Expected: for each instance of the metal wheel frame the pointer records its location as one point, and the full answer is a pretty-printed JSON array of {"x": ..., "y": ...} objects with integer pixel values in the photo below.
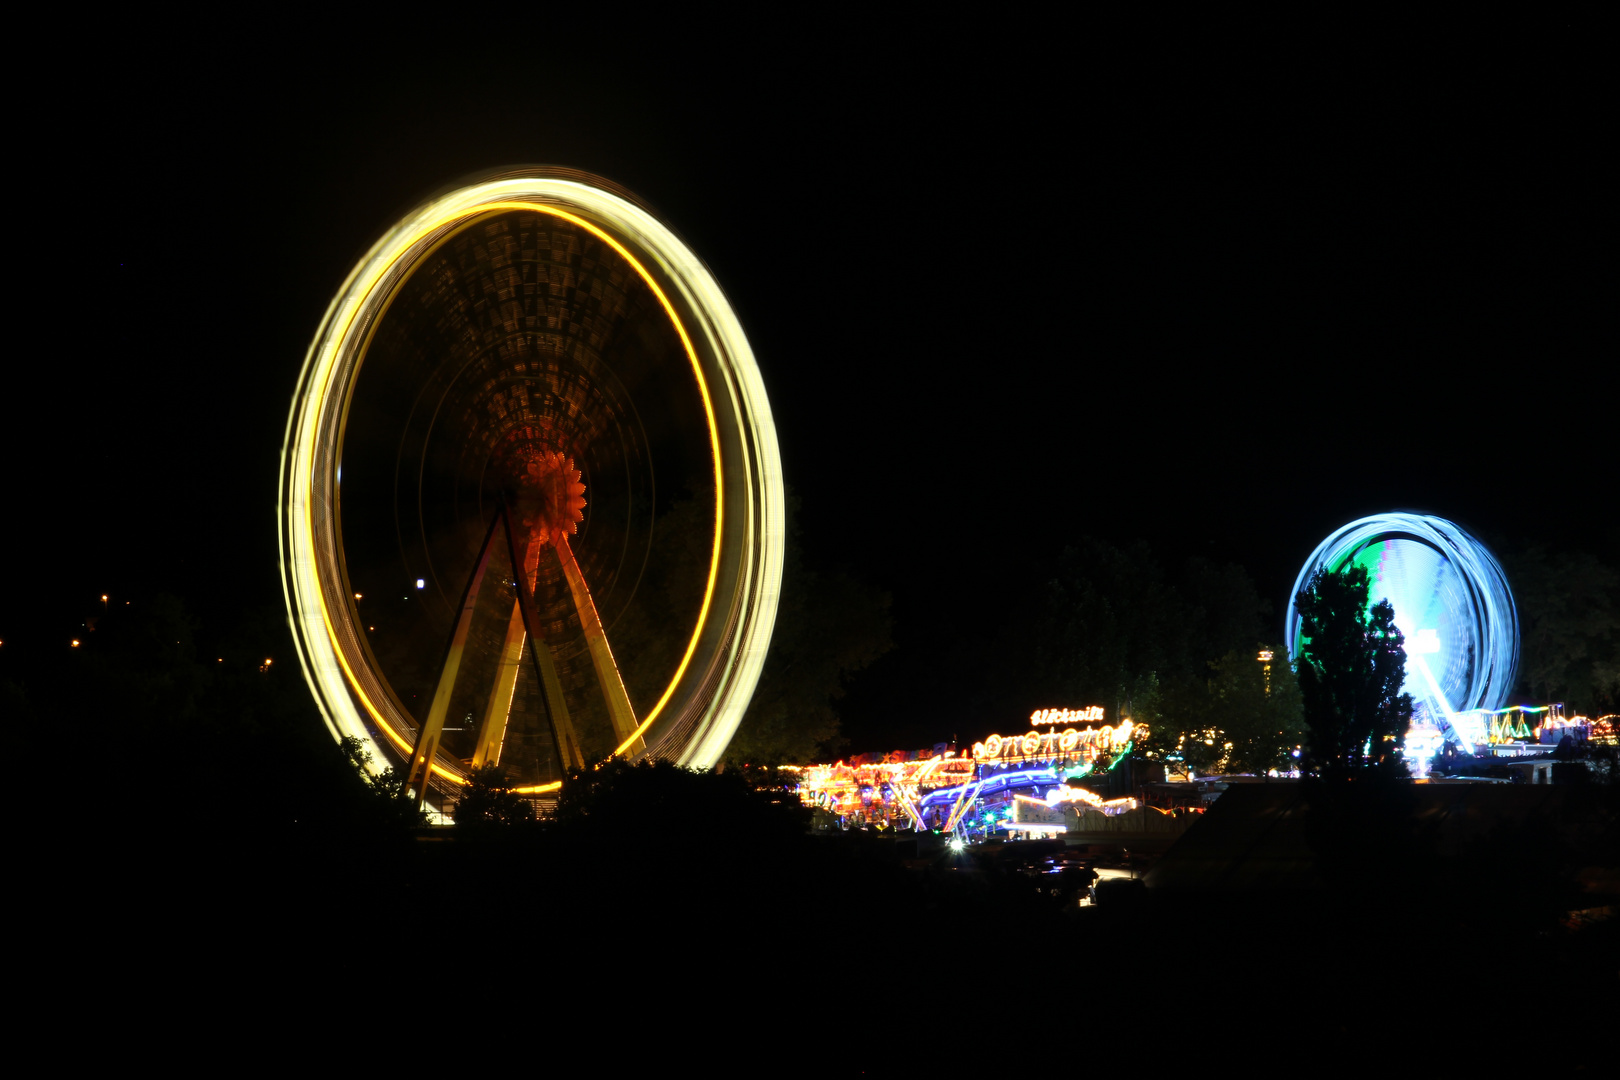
[{"x": 699, "y": 712}]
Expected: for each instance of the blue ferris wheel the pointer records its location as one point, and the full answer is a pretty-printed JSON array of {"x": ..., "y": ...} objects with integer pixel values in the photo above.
[{"x": 1452, "y": 603}]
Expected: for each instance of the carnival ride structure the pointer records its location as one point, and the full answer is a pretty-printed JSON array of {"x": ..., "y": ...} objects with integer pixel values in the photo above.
[
  {"x": 972, "y": 795},
  {"x": 887, "y": 792},
  {"x": 1452, "y": 605},
  {"x": 531, "y": 506}
]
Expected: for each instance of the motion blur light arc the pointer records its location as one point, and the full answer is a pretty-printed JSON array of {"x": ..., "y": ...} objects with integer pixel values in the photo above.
[
  {"x": 697, "y": 713},
  {"x": 1452, "y": 604}
]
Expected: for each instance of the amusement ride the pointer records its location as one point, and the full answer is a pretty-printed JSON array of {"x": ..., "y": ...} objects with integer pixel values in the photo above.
[
  {"x": 1452, "y": 605},
  {"x": 531, "y": 503}
]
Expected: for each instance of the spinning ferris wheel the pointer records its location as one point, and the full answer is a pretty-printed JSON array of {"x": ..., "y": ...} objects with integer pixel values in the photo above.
[
  {"x": 531, "y": 503},
  {"x": 1452, "y": 604}
]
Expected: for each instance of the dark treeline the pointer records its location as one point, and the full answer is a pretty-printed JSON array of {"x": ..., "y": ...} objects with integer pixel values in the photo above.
[
  {"x": 1569, "y": 617},
  {"x": 1119, "y": 625},
  {"x": 210, "y": 830},
  {"x": 1098, "y": 624}
]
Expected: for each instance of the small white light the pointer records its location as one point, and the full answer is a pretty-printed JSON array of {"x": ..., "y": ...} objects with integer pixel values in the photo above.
[{"x": 420, "y": 584}]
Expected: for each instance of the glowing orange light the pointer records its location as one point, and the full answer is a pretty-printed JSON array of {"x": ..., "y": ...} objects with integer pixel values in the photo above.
[{"x": 75, "y": 643}]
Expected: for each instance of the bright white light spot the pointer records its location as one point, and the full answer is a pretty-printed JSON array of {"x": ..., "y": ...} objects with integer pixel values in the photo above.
[
  {"x": 420, "y": 584},
  {"x": 1424, "y": 641}
]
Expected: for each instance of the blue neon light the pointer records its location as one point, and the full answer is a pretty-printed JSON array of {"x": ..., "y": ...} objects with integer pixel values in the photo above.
[
  {"x": 992, "y": 786},
  {"x": 1452, "y": 604}
]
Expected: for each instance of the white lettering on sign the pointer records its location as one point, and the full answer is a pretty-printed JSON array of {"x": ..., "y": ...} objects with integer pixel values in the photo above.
[
  {"x": 1067, "y": 716},
  {"x": 1051, "y": 744}
]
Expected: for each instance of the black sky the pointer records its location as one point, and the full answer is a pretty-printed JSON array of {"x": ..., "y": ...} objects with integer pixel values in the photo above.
[{"x": 1224, "y": 287}]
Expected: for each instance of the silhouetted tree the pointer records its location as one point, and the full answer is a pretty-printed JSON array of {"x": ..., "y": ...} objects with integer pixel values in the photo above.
[
  {"x": 1239, "y": 720},
  {"x": 1112, "y": 628},
  {"x": 619, "y": 798},
  {"x": 828, "y": 627},
  {"x": 1224, "y": 609},
  {"x": 488, "y": 800},
  {"x": 1350, "y": 674},
  {"x": 391, "y": 802},
  {"x": 1569, "y": 616},
  {"x": 1114, "y": 631}
]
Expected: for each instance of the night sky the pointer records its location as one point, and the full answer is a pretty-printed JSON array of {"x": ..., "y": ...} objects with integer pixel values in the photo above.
[{"x": 1220, "y": 287}]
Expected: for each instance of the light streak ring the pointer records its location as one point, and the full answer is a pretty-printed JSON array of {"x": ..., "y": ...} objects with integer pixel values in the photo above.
[
  {"x": 695, "y": 717},
  {"x": 1437, "y": 577}
]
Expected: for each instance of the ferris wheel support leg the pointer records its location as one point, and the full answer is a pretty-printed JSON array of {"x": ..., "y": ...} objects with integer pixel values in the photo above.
[
  {"x": 427, "y": 736},
  {"x": 562, "y": 728},
  {"x": 492, "y": 732},
  {"x": 563, "y": 736},
  {"x": 607, "y": 670}
]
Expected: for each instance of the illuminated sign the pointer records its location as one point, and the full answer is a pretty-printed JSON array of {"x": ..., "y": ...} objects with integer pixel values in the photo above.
[
  {"x": 1089, "y": 743},
  {"x": 1067, "y": 716}
]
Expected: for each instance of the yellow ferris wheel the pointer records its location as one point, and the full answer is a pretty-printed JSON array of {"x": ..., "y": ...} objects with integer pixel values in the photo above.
[{"x": 531, "y": 505}]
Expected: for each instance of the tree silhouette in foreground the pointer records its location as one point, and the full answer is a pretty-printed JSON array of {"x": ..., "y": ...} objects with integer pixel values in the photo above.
[
  {"x": 1350, "y": 671},
  {"x": 489, "y": 800},
  {"x": 391, "y": 803}
]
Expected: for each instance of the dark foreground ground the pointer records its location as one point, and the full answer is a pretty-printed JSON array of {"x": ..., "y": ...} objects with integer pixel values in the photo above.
[
  {"x": 211, "y": 880},
  {"x": 690, "y": 908}
]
